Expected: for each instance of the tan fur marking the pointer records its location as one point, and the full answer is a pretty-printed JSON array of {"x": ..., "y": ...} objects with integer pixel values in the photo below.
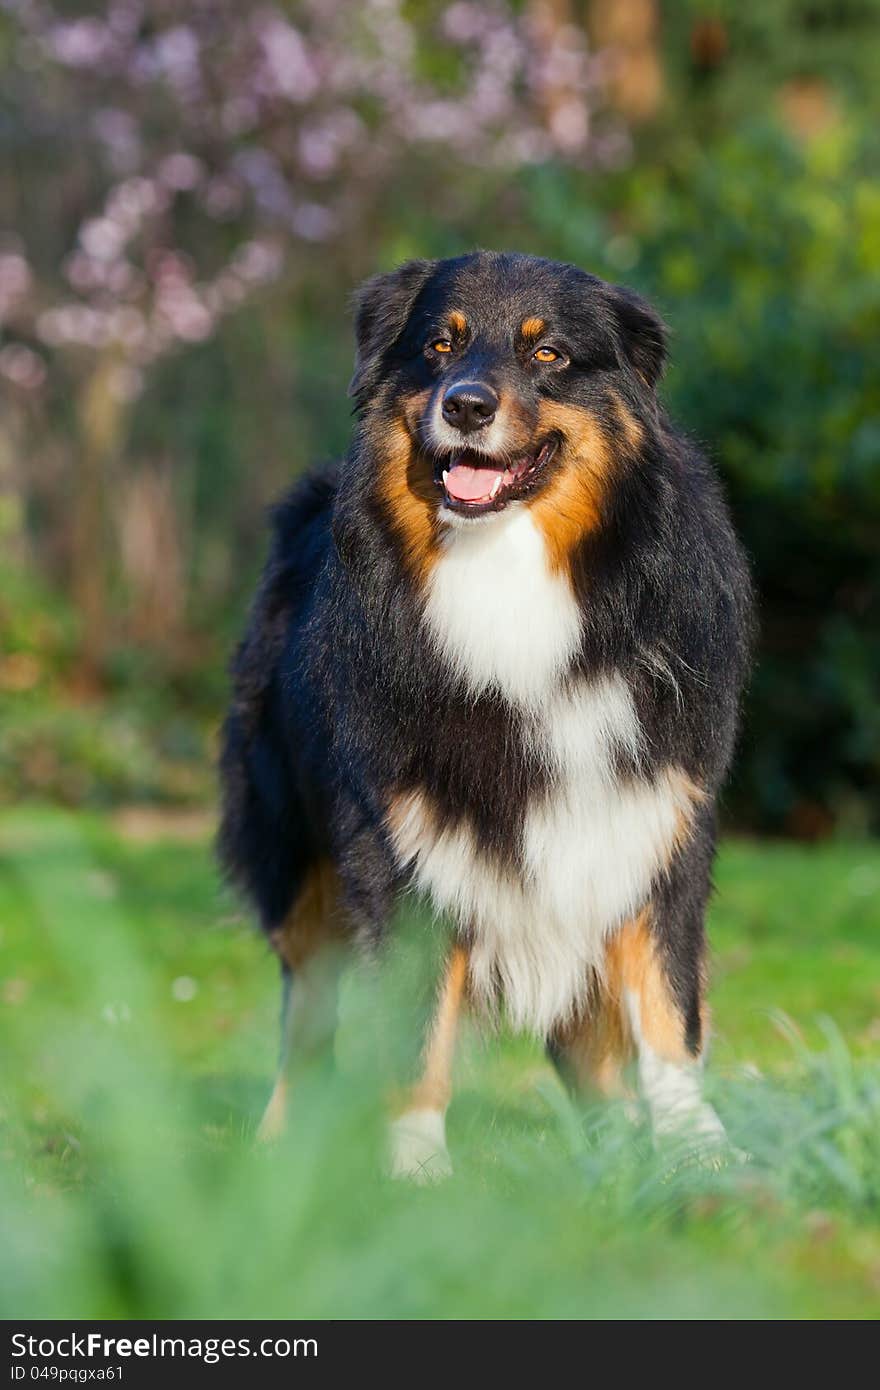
[
  {"x": 631, "y": 959},
  {"x": 570, "y": 506},
  {"x": 433, "y": 1090},
  {"x": 408, "y": 491},
  {"x": 402, "y": 808},
  {"x": 531, "y": 329},
  {"x": 311, "y": 922},
  {"x": 689, "y": 796},
  {"x": 599, "y": 1044},
  {"x": 633, "y": 433},
  {"x": 457, "y": 321},
  {"x": 632, "y": 964}
]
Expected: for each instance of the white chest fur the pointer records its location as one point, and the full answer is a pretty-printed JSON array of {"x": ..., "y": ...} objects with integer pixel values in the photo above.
[
  {"x": 499, "y": 615},
  {"x": 593, "y": 843}
]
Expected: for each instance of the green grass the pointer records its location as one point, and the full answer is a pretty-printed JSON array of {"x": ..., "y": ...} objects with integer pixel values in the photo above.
[{"x": 138, "y": 1018}]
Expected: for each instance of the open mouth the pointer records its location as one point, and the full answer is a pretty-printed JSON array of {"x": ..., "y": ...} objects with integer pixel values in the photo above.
[{"x": 473, "y": 483}]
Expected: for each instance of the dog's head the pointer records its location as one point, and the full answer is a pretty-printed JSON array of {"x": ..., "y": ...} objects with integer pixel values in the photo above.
[{"x": 493, "y": 380}]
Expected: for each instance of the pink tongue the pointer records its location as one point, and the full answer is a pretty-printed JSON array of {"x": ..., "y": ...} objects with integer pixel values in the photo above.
[{"x": 468, "y": 484}]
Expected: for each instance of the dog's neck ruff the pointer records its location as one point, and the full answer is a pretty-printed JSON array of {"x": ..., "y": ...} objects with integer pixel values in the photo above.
[{"x": 501, "y": 618}]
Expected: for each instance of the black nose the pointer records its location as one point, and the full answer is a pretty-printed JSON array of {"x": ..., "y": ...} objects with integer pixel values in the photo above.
[{"x": 469, "y": 406}]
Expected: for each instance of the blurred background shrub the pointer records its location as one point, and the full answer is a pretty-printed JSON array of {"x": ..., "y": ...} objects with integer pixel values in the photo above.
[{"x": 190, "y": 191}]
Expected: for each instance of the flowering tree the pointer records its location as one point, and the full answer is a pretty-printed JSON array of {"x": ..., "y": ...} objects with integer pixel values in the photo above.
[{"x": 178, "y": 158}]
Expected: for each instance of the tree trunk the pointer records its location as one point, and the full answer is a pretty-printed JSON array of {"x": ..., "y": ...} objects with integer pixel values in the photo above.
[
  {"x": 628, "y": 33},
  {"x": 101, "y": 419}
]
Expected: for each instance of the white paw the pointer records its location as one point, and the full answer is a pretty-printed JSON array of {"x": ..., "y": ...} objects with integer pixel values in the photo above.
[
  {"x": 699, "y": 1123},
  {"x": 700, "y": 1131},
  {"x": 418, "y": 1147}
]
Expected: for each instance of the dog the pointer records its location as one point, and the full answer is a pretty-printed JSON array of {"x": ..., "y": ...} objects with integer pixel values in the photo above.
[{"x": 496, "y": 657}]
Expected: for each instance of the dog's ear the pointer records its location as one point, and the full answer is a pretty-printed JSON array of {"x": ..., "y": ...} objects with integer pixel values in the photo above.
[
  {"x": 642, "y": 334},
  {"x": 382, "y": 306}
]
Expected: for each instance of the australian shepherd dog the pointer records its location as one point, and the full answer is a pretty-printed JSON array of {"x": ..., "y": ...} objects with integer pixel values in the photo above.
[{"x": 496, "y": 658}]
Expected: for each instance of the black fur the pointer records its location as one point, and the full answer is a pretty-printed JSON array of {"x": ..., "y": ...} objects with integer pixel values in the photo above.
[{"x": 340, "y": 698}]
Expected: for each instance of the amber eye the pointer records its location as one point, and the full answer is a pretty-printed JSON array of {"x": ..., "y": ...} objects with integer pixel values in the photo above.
[
  {"x": 442, "y": 345},
  {"x": 546, "y": 354}
]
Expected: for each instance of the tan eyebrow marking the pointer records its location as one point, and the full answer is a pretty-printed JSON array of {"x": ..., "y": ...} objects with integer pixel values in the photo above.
[
  {"x": 532, "y": 328},
  {"x": 457, "y": 321}
]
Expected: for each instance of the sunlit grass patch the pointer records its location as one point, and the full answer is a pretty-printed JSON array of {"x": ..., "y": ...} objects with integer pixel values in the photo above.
[{"x": 138, "y": 1028}]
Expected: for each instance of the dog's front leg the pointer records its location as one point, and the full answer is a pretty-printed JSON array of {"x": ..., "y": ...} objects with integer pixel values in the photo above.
[{"x": 418, "y": 1129}]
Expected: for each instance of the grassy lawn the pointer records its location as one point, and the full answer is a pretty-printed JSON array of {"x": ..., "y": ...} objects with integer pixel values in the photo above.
[{"x": 138, "y": 1032}]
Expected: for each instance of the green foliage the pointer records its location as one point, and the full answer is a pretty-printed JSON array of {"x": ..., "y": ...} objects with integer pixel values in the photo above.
[
  {"x": 762, "y": 247},
  {"x": 772, "y": 272},
  {"x": 726, "y": 58},
  {"x": 100, "y": 755},
  {"x": 146, "y": 739},
  {"x": 138, "y": 1028},
  {"x": 765, "y": 258}
]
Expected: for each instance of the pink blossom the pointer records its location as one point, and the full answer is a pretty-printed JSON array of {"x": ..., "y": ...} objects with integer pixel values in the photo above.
[
  {"x": 102, "y": 238},
  {"x": 194, "y": 113},
  {"x": 287, "y": 66},
  {"x": 82, "y": 43},
  {"x": 22, "y": 366},
  {"x": 15, "y": 277},
  {"x": 181, "y": 172},
  {"x": 313, "y": 222}
]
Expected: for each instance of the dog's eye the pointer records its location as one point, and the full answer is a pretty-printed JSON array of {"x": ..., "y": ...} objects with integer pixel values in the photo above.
[
  {"x": 441, "y": 345},
  {"x": 546, "y": 354}
]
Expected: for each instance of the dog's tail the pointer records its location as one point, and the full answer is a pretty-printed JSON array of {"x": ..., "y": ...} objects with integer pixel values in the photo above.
[{"x": 264, "y": 841}]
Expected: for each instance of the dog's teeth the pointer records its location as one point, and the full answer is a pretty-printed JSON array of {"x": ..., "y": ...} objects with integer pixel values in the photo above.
[
  {"x": 496, "y": 485},
  {"x": 445, "y": 475}
]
